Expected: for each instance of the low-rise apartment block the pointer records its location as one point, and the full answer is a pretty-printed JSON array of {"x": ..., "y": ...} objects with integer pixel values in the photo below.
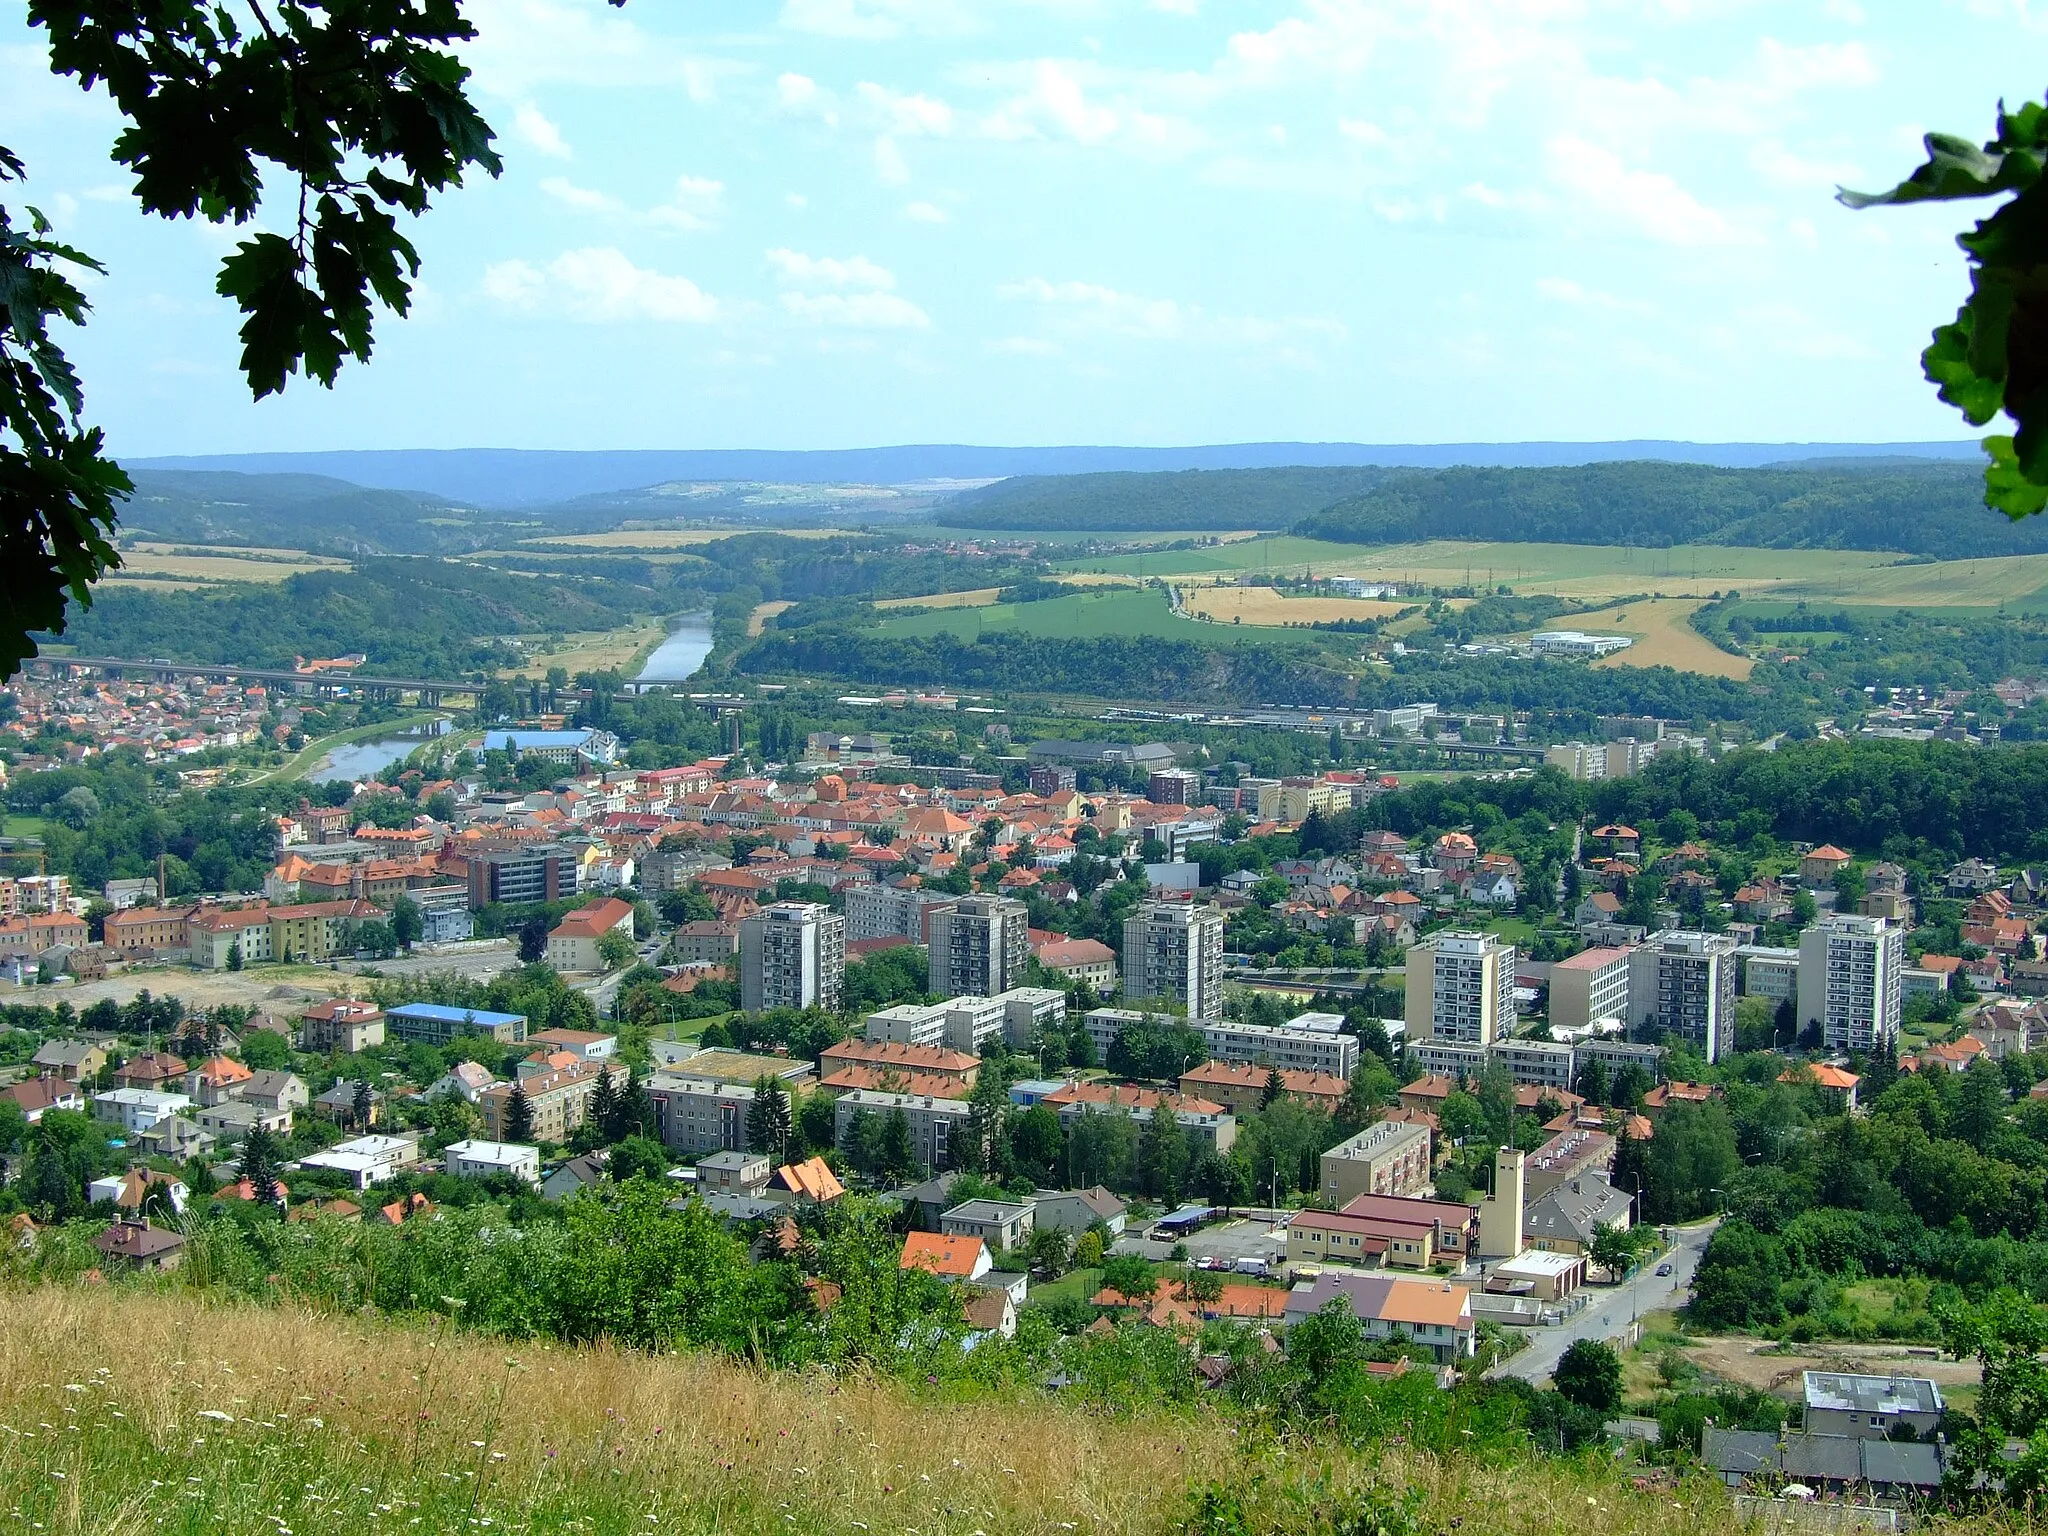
[{"x": 1389, "y": 1158}]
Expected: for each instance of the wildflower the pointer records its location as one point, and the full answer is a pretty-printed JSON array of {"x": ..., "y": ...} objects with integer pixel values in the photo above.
[{"x": 216, "y": 1415}]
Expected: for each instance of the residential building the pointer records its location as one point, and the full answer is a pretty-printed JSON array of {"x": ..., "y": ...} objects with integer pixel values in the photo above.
[
  {"x": 439, "y": 1023},
  {"x": 37, "y": 1096},
  {"x": 1461, "y": 987},
  {"x": 700, "y": 1114},
  {"x": 1173, "y": 953},
  {"x": 521, "y": 873},
  {"x": 1074, "y": 1211},
  {"x": 72, "y": 1060},
  {"x": 735, "y": 1172},
  {"x": 1144, "y": 756},
  {"x": 887, "y": 1056},
  {"x": 1309, "y": 1042},
  {"x": 231, "y": 1120},
  {"x": 1566, "y": 1156},
  {"x": 1390, "y": 1157},
  {"x": 810, "y": 1182},
  {"x": 127, "y": 1192},
  {"x": 367, "y": 1160},
  {"x": 1614, "y": 1054},
  {"x": 573, "y": 942},
  {"x": 1851, "y": 980},
  {"x": 138, "y": 1245},
  {"x": 137, "y": 1109},
  {"x": 317, "y": 930},
  {"x": 571, "y": 749},
  {"x": 1871, "y": 1407},
  {"x": 952, "y": 1259},
  {"x": 933, "y": 1121},
  {"x": 149, "y": 930},
  {"x": 1240, "y": 1087},
  {"x": 584, "y": 1044},
  {"x": 1817, "y": 870},
  {"x": 1434, "y": 1314},
  {"x": 1378, "y": 1229},
  {"x": 979, "y": 946},
  {"x": 792, "y": 955},
  {"x": 1088, "y": 960},
  {"x": 1567, "y": 1217},
  {"x": 1203, "y": 1120},
  {"x": 157, "y": 1070},
  {"x": 1589, "y": 986},
  {"x": 557, "y": 1099},
  {"x": 1449, "y": 1059},
  {"x": 342, "y": 1024},
  {"x": 1682, "y": 983},
  {"x": 964, "y": 1024},
  {"x": 481, "y": 1159},
  {"x": 1537, "y": 1063},
  {"x": 876, "y": 909},
  {"x": 1001, "y": 1224},
  {"x": 282, "y": 1091},
  {"x": 1768, "y": 972},
  {"x": 221, "y": 938},
  {"x": 709, "y": 941}
]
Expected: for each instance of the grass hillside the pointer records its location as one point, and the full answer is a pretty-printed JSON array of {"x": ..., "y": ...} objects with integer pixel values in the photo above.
[
  {"x": 1933, "y": 509},
  {"x": 1183, "y": 500},
  {"x": 130, "y": 1410}
]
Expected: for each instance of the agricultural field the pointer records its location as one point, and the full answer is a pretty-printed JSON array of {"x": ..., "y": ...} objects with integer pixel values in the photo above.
[
  {"x": 978, "y": 597},
  {"x": 1664, "y": 637},
  {"x": 637, "y": 539},
  {"x": 203, "y": 568},
  {"x": 763, "y": 612},
  {"x": 1270, "y": 606},
  {"x": 601, "y": 650},
  {"x": 1085, "y": 615}
]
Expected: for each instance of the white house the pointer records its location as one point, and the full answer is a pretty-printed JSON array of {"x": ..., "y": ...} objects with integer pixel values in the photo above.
[
  {"x": 367, "y": 1160},
  {"x": 137, "y": 1109},
  {"x": 480, "y": 1159}
]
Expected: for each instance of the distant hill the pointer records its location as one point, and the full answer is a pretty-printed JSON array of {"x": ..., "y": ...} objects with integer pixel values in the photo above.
[
  {"x": 312, "y": 512},
  {"x": 1190, "y": 499},
  {"x": 515, "y": 477},
  {"x": 1922, "y": 508}
]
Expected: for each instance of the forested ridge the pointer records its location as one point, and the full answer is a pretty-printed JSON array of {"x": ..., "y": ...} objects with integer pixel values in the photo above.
[
  {"x": 1132, "y": 502},
  {"x": 1932, "y": 509}
]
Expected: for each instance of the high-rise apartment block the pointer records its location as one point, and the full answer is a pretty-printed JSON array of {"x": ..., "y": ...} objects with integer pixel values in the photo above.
[
  {"x": 1461, "y": 987},
  {"x": 792, "y": 955},
  {"x": 878, "y": 910},
  {"x": 1173, "y": 953},
  {"x": 1683, "y": 983},
  {"x": 1850, "y": 973},
  {"x": 980, "y": 947}
]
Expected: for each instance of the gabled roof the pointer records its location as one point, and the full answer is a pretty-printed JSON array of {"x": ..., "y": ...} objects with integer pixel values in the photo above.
[
  {"x": 811, "y": 1179},
  {"x": 954, "y": 1258}
]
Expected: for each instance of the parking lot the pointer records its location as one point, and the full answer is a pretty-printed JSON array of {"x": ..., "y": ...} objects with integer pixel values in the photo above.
[{"x": 1227, "y": 1241}]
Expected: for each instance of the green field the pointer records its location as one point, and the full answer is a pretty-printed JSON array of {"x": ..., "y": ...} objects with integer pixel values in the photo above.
[
  {"x": 1598, "y": 571},
  {"x": 1085, "y": 615}
]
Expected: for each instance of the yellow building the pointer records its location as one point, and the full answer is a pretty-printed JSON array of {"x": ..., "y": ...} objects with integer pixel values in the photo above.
[{"x": 316, "y": 930}]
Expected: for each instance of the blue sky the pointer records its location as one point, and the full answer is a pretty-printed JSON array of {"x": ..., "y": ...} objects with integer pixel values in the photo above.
[{"x": 851, "y": 222}]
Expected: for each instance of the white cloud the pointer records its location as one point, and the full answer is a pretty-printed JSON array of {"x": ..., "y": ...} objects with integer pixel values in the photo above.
[
  {"x": 863, "y": 311},
  {"x": 599, "y": 285},
  {"x": 1059, "y": 99},
  {"x": 1098, "y": 307},
  {"x": 523, "y": 44},
  {"x": 874, "y": 20},
  {"x": 891, "y": 169},
  {"x": 1773, "y": 160},
  {"x": 1648, "y": 203},
  {"x": 795, "y": 90},
  {"x": 925, "y": 213},
  {"x": 695, "y": 203},
  {"x": 904, "y": 114},
  {"x": 1054, "y": 105},
  {"x": 583, "y": 199},
  {"x": 829, "y": 271},
  {"x": 1564, "y": 290},
  {"x": 1793, "y": 70},
  {"x": 532, "y": 127}
]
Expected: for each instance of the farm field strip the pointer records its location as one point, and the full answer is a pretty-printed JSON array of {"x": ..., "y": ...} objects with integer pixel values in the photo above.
[
  {"x": 1664, "y": 637},
  {"x": 763, "y": 612},
  {"x": 601, "y": 650},
  {"x": 978, "y": 597},
  {"x": 1270, "y": 606},
  {"x": 222, "y": 567},
  {"x": 666, "y": 538},
  {"x": 1086, "y": 615}
]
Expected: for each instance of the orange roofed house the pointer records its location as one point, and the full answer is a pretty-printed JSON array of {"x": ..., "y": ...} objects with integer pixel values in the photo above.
[
  {"x": 950, "y": 1258},
  {"x": 572, "y": 946}
]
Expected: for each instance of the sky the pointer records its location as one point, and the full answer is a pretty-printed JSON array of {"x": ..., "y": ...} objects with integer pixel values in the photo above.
[{"x": 844, "y": 223}]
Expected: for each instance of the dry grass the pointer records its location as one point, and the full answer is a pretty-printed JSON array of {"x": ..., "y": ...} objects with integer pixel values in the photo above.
[
  {"x": 222, "y": 567},
  {"x": 980, "y": 597},
  {"x": 1094, "y": 579},
  {"x": 1269, "y": 605},
  {"x": 1664, "y": 637},
  {"x": 763, "y": 612},
  {"x": 217, "y": 1417},
  {"x": 595, "y": 651}
]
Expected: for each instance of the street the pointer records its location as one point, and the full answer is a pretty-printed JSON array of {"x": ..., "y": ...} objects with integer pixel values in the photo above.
[{"x": 1614, "y": 1307}]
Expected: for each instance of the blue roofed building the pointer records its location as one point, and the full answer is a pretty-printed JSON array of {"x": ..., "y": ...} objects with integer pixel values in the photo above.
[
  {"x": 439, "y": 1023},
  {"x": 598, "y": 748}
]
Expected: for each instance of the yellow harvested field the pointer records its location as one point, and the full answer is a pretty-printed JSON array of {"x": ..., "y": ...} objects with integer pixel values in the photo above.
[
  {"x": 602, "y": 650},
  {"x": 223, "y": 567},
  {"x": 150, "y": 584},
  {"x": 979, "y": 597},
  {"x": 666, "y": 538},
  {"x": 758, "y": 619},
  {"x": 1663, "y": 636},
  {"x": 1094, "y": 579},
  {"x": 233, "y": 551},
  {"x": 1267, "y": 605}
]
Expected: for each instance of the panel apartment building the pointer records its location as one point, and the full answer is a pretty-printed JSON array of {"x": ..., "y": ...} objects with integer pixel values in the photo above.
[
  {"x": 980, "y": 947},
  {"x": 1590, "y": 986},
  {"x": 1461, "y": 988},
  {"x": 1683, "y": 983},
  {"x": 1851, "y": 970},
  {"x": 1173, "y": 953},
  {"x": 877, "y": 910},
  {"x": 792, "y": 955}
]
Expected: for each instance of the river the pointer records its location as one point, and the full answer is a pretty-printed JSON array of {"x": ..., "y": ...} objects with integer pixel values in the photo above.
[
  {"x": 364, "y": 759},
  {"x": 679, "y": 656}
]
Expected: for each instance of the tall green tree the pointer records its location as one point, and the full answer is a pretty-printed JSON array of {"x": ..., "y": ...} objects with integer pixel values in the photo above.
[
  {"x": 1589, "y": 1374},
  {"x": 518, "y": 1115},
  {"x": 768, "y": 1119}
]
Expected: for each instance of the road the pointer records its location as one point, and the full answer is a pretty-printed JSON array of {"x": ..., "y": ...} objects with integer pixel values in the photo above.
[{"x": 1613, "y": 1308}]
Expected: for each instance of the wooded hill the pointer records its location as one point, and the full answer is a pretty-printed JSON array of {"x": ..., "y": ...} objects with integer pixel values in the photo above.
[
  {"x": 311, "y": 512},
  {"x": 1926, "y": 508},
  {"x": 1190, "y": 500}
]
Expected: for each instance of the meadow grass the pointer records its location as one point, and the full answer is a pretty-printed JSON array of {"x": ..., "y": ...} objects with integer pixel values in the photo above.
[{"x": 137, "y": 1410}]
